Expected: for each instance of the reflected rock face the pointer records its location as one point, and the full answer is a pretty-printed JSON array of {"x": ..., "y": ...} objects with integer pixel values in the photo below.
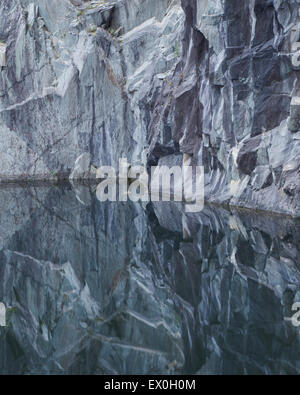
[{"x": 118, "y": 288}]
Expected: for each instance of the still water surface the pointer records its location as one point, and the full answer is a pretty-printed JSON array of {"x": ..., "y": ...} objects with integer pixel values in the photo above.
[{"x": 126, "y": 288}]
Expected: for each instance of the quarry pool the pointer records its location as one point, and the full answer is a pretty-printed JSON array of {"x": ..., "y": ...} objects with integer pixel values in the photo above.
[{"x": 126, "y": 288}]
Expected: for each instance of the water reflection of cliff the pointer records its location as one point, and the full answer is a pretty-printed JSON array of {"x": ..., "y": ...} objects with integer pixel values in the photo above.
[{"x": 120, "y": 288}]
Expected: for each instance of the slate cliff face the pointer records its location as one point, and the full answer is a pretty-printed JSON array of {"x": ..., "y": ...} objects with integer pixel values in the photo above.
[
  {"x": 80, "y": 79},
  {"x": 214, "y": 80},
  {"x": 234, "y": 101}
]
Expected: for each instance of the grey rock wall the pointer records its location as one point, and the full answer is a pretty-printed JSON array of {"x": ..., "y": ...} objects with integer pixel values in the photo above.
[
  {"x": 216, "y": 80},
  {"x": 80, "y": 78},
  {"x": 233, "y": 103}
]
